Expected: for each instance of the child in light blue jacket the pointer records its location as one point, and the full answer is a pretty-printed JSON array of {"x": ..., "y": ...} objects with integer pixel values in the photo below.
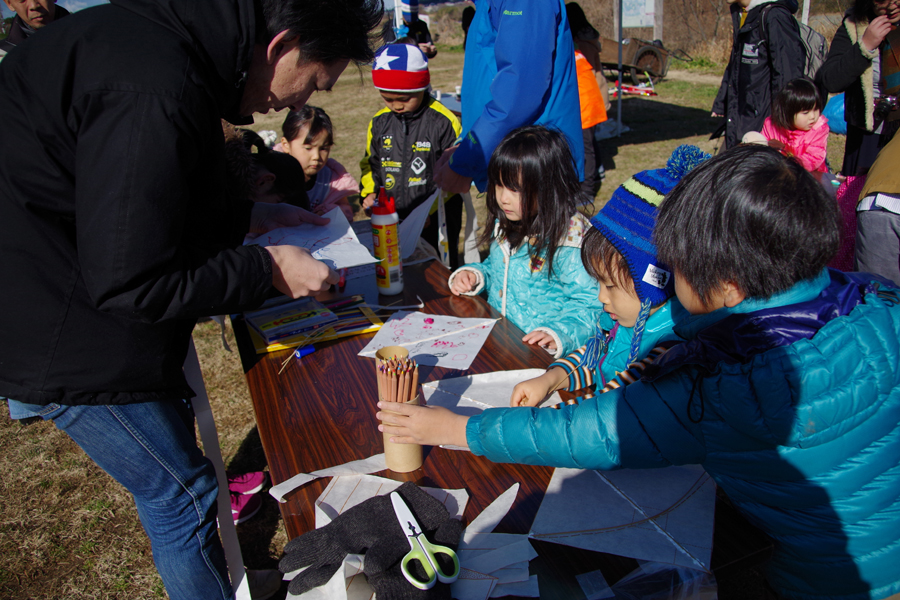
[
  {"x": 534, "y": 275},
  {"x": 636, "y": 289}
]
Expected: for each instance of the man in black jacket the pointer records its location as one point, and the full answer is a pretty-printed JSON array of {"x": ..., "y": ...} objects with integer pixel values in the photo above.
[
  {"x": 765, "y": 55},
  {"x": 117, "y": 233},
  {"x": 31, "y": 15}
]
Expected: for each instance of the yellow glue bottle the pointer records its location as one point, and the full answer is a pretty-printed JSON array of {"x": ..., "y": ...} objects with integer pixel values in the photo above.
[{"x": 389, "y": 270}]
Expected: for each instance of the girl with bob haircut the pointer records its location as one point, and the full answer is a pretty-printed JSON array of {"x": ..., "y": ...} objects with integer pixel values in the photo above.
[
  {"x": 797, "y": 126},
  {"x": 309, "y": 137},
  {"x": 533, "y": 274},
  {"x": 786, "y": 388}
]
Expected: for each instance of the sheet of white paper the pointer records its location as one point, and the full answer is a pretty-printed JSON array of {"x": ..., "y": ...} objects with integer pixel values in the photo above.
[
  {"x": 528, "y": 589},
  {"x": 512, "y": 573},
  {"x": 594, "y": 586},
  {"x": 434, "y": 340},
  {"x": 373, "y": 464},
  {"x": 494, "y": 513},
  {"x": 349, "y": 583},
  {"x": 472, "y": 585},
  {"x": 410, "y": 230},
  {"x": 335, "y": 244},
  {"x": 663, "y": 515},
  {"x": 472, "y": 394}
]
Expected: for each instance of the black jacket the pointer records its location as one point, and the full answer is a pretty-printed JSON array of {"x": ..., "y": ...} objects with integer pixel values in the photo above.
[
  {"x": 757, "y": 68},
  {"x": 402, "y": 150},
  {"x": 115, "y": 230},
  {"x": 849, "y": 70},
  {"x": 19, "y": 31}
]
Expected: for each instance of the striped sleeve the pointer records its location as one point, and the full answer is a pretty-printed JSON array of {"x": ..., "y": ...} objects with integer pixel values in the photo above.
[
  {"x": 634, "y": 372},
  {"x": 579, "y": 376}
]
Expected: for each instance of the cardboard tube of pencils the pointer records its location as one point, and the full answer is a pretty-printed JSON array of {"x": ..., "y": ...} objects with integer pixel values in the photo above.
[
  {"x": 382, "y": 358},
  {"x": 402, "y": 458}
]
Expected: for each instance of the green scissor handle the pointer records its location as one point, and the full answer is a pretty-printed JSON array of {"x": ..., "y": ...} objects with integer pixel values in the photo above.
[{"x": 425, "y": 552}]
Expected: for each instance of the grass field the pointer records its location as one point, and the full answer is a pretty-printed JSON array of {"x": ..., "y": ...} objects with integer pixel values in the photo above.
[{"x": 67, "y": 531}]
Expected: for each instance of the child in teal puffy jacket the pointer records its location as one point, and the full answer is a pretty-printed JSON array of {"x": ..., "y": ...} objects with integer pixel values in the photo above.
[
  {"x": 636, "y": 289},
  {"x": 534, "y": 275},
  {"x": 786, "y": 389}
]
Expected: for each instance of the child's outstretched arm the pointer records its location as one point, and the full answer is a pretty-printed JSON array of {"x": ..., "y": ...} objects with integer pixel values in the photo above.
[
  {"x": 424, "y": 425},
  {"x": 534, "y": 391}
]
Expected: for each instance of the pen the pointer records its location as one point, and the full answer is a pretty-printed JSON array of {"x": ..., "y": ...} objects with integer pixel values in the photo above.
[{"x": 343, "y": 280}]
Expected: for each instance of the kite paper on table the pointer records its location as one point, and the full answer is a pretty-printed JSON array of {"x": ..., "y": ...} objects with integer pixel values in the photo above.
[
  {"x": 433, "y": 340},
  {"x": 662, "y": 515},
  {"x": 335, "y": 244},
  {"x": 472, "y": 394}
]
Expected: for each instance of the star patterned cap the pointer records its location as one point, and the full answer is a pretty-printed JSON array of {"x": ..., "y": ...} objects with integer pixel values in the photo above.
[{"x": 400, "y": 68}]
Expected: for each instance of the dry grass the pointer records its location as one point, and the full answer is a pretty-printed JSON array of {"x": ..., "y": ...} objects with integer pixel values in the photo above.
[{"x": 68, "y": 531}]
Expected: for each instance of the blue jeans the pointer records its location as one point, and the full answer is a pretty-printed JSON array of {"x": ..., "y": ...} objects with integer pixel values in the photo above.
[{"x": 150, "y": 449}]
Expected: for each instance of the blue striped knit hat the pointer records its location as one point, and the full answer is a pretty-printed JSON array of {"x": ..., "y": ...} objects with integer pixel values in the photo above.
[{"x": 627, "y": 221}]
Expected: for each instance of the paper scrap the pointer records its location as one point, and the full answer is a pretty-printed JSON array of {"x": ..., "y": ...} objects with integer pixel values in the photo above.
[
  {"x": 335, "y": 244},
  {"x": 491, "y": 516},
  {"x": 346, "y": 491},
  {"x": 373, "y": 464},
  {"x": 491, "y": 561},
  {"x": 410, "y": 229},
  {"x": 594, "y": 586},
  {"x": 472, "y": 585},
  {"x": 433, "y": 340},
  {"x": 663, "y": 515},
  {"x": 527, "y": 589}
]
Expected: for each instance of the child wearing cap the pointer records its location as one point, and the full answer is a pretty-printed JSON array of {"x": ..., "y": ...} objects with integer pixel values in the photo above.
[
  {"x": 416, "y": 29},
  {"x": 636, "y": 289},
  {"x": 405, "y": 140}
]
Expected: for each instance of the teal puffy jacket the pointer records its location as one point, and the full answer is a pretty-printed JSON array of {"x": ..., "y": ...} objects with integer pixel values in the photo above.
[
  {"x": 564, "y": 305},
  {"x": 794, "y": 411}
]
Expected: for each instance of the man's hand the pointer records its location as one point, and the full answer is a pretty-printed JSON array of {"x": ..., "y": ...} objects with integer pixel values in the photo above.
[
  {"x": 296, "y": 273},
  {"x": 465, "y": 281},
  {"x": 428, "y": 49},
  {"x": 534, "y": 391},
  {"x": 875, "y": 33},
  {"x": 266, "y": 217},
  {"x": 368, "y": 202},
  {"x": 446, "y": 178},
  {"x": 423, "y": 425},
  {"x": 541, "y": 338}
]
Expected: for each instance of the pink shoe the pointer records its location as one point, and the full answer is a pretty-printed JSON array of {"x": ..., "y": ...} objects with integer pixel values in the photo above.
[
  {"x": 247, "y": 483},
  {"x": 244, "y": 506}
]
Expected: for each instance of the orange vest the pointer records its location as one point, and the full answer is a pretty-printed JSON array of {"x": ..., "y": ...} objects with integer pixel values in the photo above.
[{"x": 593, "y": 110}]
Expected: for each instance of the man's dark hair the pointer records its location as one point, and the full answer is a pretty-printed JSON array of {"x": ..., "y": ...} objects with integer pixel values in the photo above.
[
  {"x": 317, "y": 119},
  {"x": 750, "y": 216},
  {"x": 798, "y": 95},
  {"x": 328, "y": 30},
  {"x": 602, "y": 260}
]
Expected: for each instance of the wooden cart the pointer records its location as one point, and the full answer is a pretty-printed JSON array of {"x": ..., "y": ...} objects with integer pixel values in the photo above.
[{"x": 643, "y": 58}]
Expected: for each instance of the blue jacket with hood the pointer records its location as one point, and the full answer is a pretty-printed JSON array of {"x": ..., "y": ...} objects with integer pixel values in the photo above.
[
  {"x": 791, "y": 404},
  {"x": 519, "y": 70}
]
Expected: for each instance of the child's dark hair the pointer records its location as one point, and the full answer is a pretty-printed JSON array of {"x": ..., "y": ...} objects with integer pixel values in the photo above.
[
  {"x": 317, "y": 119},
  {"x": 798, "y": 95},
  {"x": 290, "y": 181},
  {"x": 750, "y": 216},
  {"x": 603, "y": 260},
  {"x": 535, "y": 162}
]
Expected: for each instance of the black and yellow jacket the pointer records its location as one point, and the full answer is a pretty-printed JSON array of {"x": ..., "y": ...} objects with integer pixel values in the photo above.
[{"x": 402, "y": 149}]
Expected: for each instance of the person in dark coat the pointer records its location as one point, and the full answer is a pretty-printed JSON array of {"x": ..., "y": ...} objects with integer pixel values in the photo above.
[
  {"x": 31, "y": 15},
  {"x": 853, "y": 67},
  {"x": 117, "y": 230},
  {"x": 765, "y": 55}
]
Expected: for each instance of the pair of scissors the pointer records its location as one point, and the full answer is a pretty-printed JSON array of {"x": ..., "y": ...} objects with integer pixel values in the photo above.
[{"x": 421, "y": 549}]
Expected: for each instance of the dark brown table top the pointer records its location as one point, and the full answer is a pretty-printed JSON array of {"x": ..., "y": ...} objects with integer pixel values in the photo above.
[{"x": 321, "y": 413}]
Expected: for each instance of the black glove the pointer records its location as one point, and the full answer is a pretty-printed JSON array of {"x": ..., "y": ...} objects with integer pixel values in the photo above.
[{"x": 371, "y": 528}]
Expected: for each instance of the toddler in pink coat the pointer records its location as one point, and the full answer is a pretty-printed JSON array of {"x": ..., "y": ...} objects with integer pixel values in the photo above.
[{"x": 797, "y": 127}]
